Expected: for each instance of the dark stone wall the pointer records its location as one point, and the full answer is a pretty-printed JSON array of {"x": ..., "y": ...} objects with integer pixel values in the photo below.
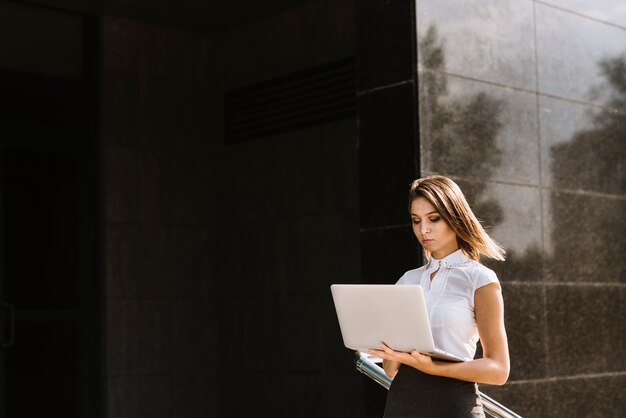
[
  {"x": 158, "y": 208},
  {"x": 388, "y": 146},
  {"x": 218, "y": 258},
  {"x": 287, "y": 228},
  {"x": 522, "y": 103}
]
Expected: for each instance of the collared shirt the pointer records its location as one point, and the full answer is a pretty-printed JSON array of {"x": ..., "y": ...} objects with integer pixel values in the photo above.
[{"x": 450, "y": 300}]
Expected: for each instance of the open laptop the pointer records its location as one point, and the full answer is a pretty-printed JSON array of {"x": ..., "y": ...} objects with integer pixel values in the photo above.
[{"x": 394, "y": 314}]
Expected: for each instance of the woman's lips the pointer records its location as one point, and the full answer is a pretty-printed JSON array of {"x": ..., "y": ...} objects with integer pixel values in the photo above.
[{"x": 427, "y": 241}]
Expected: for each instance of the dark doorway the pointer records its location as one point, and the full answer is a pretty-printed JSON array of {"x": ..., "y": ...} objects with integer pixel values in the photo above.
[{"x": 48, "y": 273}]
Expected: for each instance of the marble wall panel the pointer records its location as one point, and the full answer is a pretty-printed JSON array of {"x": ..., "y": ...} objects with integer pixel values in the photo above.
[
  {"x": 248, "y": 188},
  {"x": 324, "y": 395},
  {"x": 298, "y": 165},
  {"x": 123, "y": 265},
  {"x": 570, "y": 52},
  {"x": 194, "y": 395},
  {"x": 120, "y": 110},
  {"x": 304, "y": 389},
  {"x": 385, "y": 43},
  {"x": 338, "y": 179},
  {"x": 262, "y": 394},
  {"x": 527, "y": 399},
  {"x": 193, "y": 333},
  {"x": 477, "y": 130},
  {"x": 486, "y": 40},
  {"x": 584, "y": 237},
  {"x": 601, "y": 396},
  {"x": 387, "y": 154},
  {"x": 314, "y": 331},
  {"x": 289, "y": 175},
  {"x": 139, "y": 396},
  {"x": 342, "y": 386},
  {"x": 581, "y": 147},
  {"x": 121, "y": 184},
  {"x": 584, "y": 332},
  {"x": 155, "y": 261},
  {"x": 605, "y": 10},
  {"x": 139, "y": 337},
  {"x": 259, "y": 268},
  {"x": 525, "y": 320},
  {"x": 231, "y": 320},
  {"x": 512, "y": 215},
  {"x": 186, "y": 188},
  {"x": 150, "y": 186},
  {"x": 192, "y": 264},
  {"x": 313, "y": 252},
  {"x": 247, "y": 259},
  {"x": 302, "y": 35},
  {"x": 387, "y": 253}
]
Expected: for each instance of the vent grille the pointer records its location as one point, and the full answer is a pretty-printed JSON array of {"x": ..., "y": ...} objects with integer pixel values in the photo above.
[{"x": 306, "y": 98}]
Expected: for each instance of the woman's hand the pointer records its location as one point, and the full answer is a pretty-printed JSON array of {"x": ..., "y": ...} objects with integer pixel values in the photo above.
[
  {"x": 414, "y": 359},
  {"x": 492, "y": 369}
]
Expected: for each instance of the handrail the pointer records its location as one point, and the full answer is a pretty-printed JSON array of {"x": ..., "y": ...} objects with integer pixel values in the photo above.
[{"x": 365, "y": 365}]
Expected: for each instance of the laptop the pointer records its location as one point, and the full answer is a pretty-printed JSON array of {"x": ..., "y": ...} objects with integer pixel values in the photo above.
[{"x": 394, "y": 314}]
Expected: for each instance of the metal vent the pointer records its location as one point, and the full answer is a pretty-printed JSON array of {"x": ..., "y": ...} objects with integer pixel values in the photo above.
[{"x": 314, "y": 96}]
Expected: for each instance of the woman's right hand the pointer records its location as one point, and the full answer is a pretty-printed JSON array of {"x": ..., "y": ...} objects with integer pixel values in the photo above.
[{"x": 391, "y": 367}]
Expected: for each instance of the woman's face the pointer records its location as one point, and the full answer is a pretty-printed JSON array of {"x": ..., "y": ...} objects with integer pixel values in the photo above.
[{"x": 431, "y": 230}]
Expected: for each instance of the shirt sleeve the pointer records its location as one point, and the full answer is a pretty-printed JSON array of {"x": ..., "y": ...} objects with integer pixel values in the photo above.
[
  {"x": 411, "y": 277},
  {"x": 485, "y": 276},
  {"x": 402, "y": 280}
]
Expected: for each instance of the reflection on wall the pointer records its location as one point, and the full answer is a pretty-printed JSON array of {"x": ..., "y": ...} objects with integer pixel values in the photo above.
[
  {"x": 536, "y": 141},
  {"x": 460, "y": 136},
  {"x": 604, "y": 169},
  {"x": 453, "y": 130},
  {"x": 592, "y": 160}
]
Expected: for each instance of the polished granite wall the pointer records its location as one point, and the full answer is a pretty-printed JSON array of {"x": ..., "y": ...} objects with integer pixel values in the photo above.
[
  {"x": 523, "y": 104},
  {"x": 287, "y": 226},
  {"x": 218, "y": 257},
  {"x": 156, "y": 175}
]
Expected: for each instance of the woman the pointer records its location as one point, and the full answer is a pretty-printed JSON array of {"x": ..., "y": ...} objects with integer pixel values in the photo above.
[{"x": 464, "y": 303}]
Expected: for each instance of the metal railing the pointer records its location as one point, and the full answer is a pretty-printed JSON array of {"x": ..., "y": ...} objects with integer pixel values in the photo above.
[{"x": 365, "y": 365}]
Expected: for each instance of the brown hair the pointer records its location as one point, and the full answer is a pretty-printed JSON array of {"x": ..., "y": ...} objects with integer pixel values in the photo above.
[{"x": 449, "y": 201}]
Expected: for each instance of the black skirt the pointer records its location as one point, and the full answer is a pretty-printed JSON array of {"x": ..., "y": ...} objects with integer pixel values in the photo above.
[{"x": 416, "y": 394}]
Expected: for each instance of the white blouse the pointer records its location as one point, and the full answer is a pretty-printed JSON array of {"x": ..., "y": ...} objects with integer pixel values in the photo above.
[{"x": 450, "y": 300}]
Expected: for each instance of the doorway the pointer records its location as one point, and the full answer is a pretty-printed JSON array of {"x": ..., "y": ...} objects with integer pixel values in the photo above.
[{"x": 49, "y": 287}]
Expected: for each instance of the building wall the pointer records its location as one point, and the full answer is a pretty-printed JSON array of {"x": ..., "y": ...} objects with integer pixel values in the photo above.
[
  {"x": 218, "y": 258},
  {"x": 287, "y": 227},
  {"x": 157, "y": 174},
  {"x": 522, "y": 102}
]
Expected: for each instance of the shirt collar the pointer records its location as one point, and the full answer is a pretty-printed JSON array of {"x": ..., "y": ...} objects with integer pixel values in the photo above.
[{"x": 455, "y": 259}]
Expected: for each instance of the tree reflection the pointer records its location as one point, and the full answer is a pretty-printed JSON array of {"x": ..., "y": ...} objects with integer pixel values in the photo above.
[
  {"x": 597, "y": 150},
  {"x": 587, "y": 242},
  {"x": 459, "y": 136}
]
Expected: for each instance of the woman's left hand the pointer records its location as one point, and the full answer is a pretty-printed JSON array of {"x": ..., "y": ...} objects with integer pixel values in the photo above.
[{"x": 414, "y": 359}]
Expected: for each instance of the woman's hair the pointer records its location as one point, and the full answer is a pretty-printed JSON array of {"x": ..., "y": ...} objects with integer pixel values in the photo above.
[{"x": 449, "y": 201}]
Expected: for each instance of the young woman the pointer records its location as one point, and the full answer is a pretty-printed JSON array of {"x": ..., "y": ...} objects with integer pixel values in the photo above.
[{"x": 464, "y": 302}]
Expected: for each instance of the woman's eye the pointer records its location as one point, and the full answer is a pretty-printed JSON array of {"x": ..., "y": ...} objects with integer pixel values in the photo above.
[
  {"x": 416, "y": 221},
  {"x": 436, "y": 219}
]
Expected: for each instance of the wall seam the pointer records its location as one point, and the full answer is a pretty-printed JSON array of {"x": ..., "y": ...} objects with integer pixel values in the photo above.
[
  {"x": 524, "y": 90},
  {"x": 579, "y": 14}
]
